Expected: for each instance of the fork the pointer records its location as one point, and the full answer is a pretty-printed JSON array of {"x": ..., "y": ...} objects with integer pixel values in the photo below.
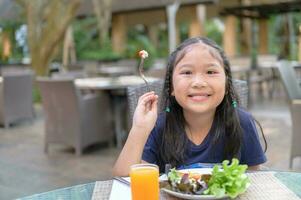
[
  {"x": 122, "y": 180},
  {"x": 143, "y": 54}
]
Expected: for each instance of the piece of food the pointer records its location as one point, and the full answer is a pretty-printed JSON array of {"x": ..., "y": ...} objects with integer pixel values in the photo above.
[
  {"x": 189, "y": 183},
  {"x": 143, "y": 54}
]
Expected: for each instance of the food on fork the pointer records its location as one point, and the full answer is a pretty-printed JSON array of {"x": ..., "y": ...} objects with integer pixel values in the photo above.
[{"x": 143, "y": 54}]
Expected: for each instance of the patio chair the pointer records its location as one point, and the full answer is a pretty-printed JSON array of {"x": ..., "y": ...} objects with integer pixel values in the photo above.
[
  {"x": 72, "y": 118},
  {"x": 134, "y": 92},
  {"x": 293, "y": 90},
  {"x": 16, "y": 101}
]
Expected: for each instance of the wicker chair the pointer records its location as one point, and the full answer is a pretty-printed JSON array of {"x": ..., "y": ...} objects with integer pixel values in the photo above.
[
  {"x": 293, "y": 90},
  {"x": 72, "y": 118},
  {"x": 134, "y": 92},
  {"x": 241, "y": 88},
  {"x": 16, "y": 101}
]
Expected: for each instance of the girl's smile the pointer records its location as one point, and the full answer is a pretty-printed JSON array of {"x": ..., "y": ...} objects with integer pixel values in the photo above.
[{"x": 199, "y": 97}]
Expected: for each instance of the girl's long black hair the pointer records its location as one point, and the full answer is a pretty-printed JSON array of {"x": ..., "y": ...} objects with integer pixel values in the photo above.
[{"x": 226, "y": 119}]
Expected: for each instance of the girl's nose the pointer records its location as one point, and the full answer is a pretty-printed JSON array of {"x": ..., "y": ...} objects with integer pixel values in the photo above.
[{"x": 199, "y": 81}]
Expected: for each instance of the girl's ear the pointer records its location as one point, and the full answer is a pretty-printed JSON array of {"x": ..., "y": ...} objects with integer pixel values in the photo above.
[{"x": 172, "y": 93}]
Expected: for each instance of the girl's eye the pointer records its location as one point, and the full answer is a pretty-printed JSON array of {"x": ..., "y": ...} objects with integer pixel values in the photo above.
[
  {"x": 186, "y": 72},
  {"x": 211, "y": 72}
]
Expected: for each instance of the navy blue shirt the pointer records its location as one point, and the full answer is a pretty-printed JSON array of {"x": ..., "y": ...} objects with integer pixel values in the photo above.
[{"x": 251, "y": 152}]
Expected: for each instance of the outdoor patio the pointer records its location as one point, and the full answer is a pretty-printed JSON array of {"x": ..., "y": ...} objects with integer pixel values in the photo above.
[
  {"x": 26, "y": 169},
  {"x": 81, "y": 71}
]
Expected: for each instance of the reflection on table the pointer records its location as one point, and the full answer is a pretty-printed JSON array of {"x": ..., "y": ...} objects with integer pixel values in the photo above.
[{"x": 116, "y": 87}]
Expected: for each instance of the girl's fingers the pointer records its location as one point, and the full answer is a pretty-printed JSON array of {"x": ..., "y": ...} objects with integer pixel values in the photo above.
[
  {"x": 154, "y": 104},
  {"x": 146, "y": 97},
  {"x": 147, "y": 94}
]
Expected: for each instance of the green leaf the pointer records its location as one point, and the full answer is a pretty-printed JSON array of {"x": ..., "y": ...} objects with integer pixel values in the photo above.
[{"x": 229, "y": 179}]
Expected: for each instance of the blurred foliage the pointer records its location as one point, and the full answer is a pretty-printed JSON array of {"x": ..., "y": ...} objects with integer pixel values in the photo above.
[
  {"x": 138, "y": 40},
  {"x": 214, "y": 31},
  {"x": 9, "y": 27},
  {"x": 36, "y": 95},
  {"x": 183, "y": 31},
  {"x": 162, "y": 48},
  {"x": 277, "y": 37},
  {"x": 88, "y": 48},
  {"x": 87, "y": 42}
]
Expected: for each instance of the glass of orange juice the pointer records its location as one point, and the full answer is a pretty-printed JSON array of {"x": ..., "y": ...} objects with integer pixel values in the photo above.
[{"x": 144, "y": 182}]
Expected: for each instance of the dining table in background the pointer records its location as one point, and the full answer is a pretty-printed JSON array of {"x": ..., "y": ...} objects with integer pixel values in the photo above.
[
  {"x": 116, "y": 87},
  {"x": 291, "y": 181},
  {"x": 115, "y": 71}
]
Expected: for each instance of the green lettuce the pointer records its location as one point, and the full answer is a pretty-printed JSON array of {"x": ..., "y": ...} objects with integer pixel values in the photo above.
[
  {"x": 228, "y": 180},
  {"x": 173, "y": 175}
]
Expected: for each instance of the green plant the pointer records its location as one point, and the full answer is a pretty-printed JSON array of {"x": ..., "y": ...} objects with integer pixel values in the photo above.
[
  {"x": 87, "y": 42},
  {"x": 214, "y": 31},
  {"x": 36, "y": 95},
  {"x": 139, "y": 42}
]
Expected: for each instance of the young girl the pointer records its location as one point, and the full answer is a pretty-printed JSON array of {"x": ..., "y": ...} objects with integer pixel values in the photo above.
[{"x": 201, "y": 123}]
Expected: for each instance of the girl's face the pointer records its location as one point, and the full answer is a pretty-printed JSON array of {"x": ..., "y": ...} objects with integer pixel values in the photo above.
[{"x": 199, "y": 80}]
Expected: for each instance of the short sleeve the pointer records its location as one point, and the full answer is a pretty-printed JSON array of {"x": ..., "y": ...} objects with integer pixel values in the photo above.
[
  {"x": 251, "y": 151},
  {"x": 151, "y": 149}
]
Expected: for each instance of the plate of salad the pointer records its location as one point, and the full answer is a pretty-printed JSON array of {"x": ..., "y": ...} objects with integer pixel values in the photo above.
[{"x": 227, "y": 180}]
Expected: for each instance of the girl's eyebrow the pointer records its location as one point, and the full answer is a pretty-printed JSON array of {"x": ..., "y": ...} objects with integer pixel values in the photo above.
[
  {"x": 187, "y": 65},
  {"x": 184, "y": 65},
  {"x": 213, "y": 65}
]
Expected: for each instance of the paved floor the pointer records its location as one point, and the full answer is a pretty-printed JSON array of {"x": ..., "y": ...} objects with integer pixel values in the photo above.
[{"x": 25, "y": 169}]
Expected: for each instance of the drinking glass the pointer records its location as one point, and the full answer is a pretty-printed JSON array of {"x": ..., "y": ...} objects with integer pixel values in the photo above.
[{"x": 144, "y": 182}]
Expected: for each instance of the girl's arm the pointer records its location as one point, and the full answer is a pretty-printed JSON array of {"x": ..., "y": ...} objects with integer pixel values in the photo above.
[{"x": 144, "y": 120}]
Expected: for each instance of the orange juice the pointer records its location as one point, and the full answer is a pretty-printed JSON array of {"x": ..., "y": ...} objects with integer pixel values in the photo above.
[{"x": 145, "y": 182}]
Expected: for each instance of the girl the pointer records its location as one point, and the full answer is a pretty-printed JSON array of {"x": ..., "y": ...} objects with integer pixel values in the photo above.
[{"x": 201, "y": 123}]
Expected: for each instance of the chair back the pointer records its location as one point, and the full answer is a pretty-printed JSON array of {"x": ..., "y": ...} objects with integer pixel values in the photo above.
[
  {"x": 61, "y": 108},
  {"x": 17, "y": 95},
  {"x": 241, "y": 88},
  {"x": 289, "y": 80},
  {"x": 292, "y": 87},
  {"x": 134, "y": 92}
]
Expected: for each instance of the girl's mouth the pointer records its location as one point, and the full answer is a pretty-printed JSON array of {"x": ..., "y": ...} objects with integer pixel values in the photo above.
[{"x": 199, "y": 97}]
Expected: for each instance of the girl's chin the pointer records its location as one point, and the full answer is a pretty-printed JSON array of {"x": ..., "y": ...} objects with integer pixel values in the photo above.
[{"x": 200, "y": 110}]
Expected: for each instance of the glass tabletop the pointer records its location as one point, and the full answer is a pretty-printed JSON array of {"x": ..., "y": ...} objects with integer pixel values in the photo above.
[{"x": 291, "y": 180}]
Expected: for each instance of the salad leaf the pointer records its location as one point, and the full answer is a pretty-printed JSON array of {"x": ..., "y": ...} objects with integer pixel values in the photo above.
[
  {"x": 229, "y": 180},
  {"x": 173, "y": 175}
]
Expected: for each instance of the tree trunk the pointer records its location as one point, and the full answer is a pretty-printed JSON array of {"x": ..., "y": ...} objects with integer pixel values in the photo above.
[
  {"x": 47, "y": 23},
  {"x": 103, "y": 12}
]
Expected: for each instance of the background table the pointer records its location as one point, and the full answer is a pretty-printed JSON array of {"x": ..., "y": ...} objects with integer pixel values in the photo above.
[
  {"x": 84, "y": 192},
  {"x": 116, "y": 87}
]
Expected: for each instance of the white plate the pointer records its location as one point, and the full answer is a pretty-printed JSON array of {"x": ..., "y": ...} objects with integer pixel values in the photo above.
[{"x": 193, "y": 196}]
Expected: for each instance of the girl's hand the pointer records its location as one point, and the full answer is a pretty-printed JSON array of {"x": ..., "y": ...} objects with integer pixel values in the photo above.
[{"x": 145, "y": 115}]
